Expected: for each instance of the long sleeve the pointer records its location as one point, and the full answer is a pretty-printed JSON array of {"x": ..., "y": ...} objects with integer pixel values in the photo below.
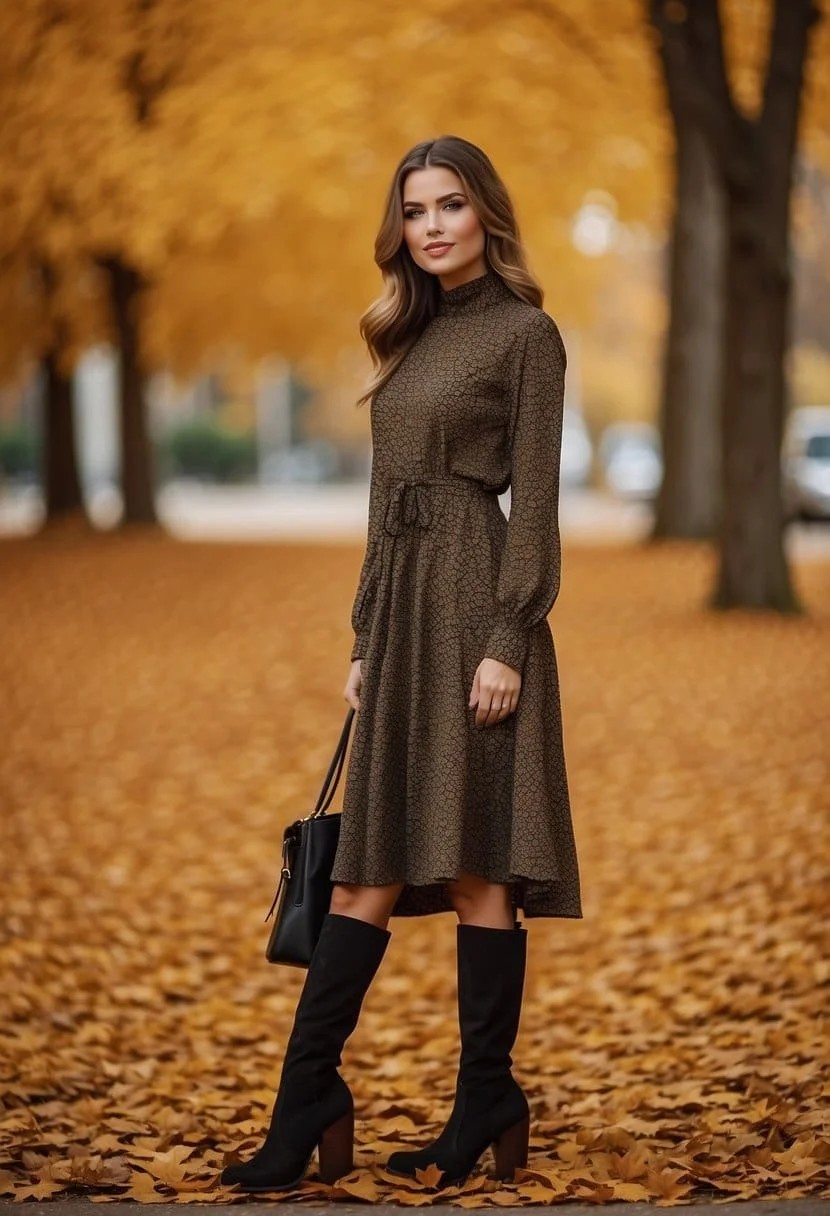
[
  {"x": 528, "y": 580},
  {"x": 364, "y": 600}
]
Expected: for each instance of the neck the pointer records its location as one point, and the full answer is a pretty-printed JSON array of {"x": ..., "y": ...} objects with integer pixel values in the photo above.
[
  {"x": 465, "y": 275},
  {"x": 474, "y": 295}
]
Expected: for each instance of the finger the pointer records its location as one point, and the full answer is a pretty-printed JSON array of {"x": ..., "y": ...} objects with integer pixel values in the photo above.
[
  {"x": 474, "y": 692},
  {"x": 491, "y": 714},
  {"x": 500, "y": 708}
]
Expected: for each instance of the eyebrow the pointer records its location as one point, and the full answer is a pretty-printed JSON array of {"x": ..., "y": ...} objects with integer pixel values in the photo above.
[{"x": 413, "y": 202}]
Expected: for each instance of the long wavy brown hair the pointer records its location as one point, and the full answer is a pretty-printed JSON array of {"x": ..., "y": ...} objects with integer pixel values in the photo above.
[{"x": 394, "y": 321}]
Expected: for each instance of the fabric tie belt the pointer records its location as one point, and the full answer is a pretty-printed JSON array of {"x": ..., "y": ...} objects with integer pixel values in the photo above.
[{"x": 409, "y": 503}]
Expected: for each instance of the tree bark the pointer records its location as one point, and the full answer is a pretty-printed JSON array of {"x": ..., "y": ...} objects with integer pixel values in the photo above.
[
  {"x": 689, "y": 500},
  {"x": 754, "y": 159},
  {"x": 753, "y": 569},
  {"x": 137, "y": 475},
  {"x": 61, "y": 479}
]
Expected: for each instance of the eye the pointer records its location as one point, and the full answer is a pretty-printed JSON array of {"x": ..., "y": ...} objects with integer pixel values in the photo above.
[{"x": 455, "y": 203}]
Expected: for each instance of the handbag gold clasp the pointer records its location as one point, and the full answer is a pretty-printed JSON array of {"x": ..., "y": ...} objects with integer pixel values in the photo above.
[{"x": 285, "y": 871}]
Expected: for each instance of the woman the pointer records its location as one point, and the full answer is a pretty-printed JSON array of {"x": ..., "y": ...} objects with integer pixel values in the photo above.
[{"x": 456, "y": 796}]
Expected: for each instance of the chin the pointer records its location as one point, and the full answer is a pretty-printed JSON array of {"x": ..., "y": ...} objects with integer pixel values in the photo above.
[
  {"x": 437, "y": 268},
  {"x": 444, "y": 266}
]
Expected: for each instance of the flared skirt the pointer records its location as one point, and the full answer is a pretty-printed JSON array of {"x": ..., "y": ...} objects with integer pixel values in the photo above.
[{"x": 427, "y": 793}]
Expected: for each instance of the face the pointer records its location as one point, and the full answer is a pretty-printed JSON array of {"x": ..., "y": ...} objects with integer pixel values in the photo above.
[{"x": 437, "y": 212}]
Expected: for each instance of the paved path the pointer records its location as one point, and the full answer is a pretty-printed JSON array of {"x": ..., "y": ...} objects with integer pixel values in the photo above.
[
  {"x": 332, "y": 512},
  {"x": 338, "y": 513}
]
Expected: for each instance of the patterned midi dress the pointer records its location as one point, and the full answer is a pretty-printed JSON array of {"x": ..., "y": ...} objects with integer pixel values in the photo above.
[{"x": 475, "y": 407}]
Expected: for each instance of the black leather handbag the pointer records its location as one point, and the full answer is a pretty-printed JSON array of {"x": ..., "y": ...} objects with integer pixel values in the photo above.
[{"x": 303, "y": 894}]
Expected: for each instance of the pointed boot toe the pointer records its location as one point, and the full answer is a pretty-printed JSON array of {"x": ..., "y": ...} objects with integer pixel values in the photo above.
[
  {"x": 230, "y": 1175},
  {"x": 405, "y": 1163}
]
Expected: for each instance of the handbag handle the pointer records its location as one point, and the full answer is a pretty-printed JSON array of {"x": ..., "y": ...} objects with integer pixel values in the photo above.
[{"x": 336, "y": 763}]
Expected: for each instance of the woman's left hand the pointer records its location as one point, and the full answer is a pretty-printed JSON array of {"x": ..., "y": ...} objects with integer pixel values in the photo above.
[{"x": 495, "y": 691}]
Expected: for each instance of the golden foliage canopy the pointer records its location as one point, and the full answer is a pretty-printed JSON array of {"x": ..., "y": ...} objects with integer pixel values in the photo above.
[{"x": 238, "y": 155}]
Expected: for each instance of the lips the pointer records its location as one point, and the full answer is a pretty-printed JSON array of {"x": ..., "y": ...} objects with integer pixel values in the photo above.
[{"x": 438, "y": 245}]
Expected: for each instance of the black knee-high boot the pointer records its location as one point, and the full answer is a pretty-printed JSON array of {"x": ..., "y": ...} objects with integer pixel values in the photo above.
[
  {"x": 490, "y": 1107},
  {"x": 314, "y": 1105}
]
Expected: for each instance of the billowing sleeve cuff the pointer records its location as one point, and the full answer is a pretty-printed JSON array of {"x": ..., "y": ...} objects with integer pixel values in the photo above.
[
  {"x": 507, "y": 642},
  {"x": 361, "y": 639},
  {"x": 366, "y": 594},
  {"x": 363, "y": 606}
]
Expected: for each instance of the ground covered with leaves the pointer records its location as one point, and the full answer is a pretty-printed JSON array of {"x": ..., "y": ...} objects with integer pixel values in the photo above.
[{"x": 167, "y": 708}]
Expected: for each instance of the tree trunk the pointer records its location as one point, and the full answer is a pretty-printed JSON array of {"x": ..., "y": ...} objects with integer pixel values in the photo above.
[
  {"x": 754, "y": 159},
  {"x": 61, "y": 480},
  {"x": 753, "y": 570},
  {"x": 137, "y": 476},
  {"x": 689, "y": 501}
]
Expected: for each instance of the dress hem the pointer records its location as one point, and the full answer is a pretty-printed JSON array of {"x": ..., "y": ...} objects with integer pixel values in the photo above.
[{"x": 430, "y": 896}]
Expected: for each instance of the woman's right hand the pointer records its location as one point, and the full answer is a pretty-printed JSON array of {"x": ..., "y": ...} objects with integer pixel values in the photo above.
[{"x": 352, "y": 690}]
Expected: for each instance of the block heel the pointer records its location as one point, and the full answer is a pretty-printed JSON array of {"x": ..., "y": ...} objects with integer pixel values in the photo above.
[
  {"x": 510, "y": 1148},
  {"x": 336, "y": 1149}
]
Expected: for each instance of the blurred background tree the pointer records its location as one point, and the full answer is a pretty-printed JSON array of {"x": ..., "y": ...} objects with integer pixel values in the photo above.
[
  {"x": 737, "y": 165},
  {"x": 200, "y": 186}
]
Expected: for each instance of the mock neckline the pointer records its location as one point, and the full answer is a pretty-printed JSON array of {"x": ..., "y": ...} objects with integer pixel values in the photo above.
[{"x": 474, "y": 295}]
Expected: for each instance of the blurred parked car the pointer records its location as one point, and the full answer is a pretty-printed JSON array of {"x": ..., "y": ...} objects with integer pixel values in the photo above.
[
  {"x": 577, "y": 452},
  {"x": 631, "y": 459},
  {"x": 805, "y": 463}
]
